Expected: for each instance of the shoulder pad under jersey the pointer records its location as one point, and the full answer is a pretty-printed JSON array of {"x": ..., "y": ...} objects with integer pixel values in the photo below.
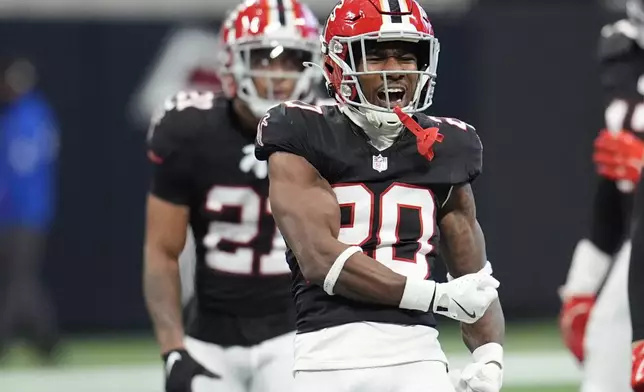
[
  {"x": 178, "y": 121},
  {"x": 285, "y": 128},
  {"x": 459, "y": 157}
]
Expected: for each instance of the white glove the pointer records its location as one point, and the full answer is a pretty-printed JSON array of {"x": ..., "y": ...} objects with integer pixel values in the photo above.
[
  {"x": 466, "y": 298},
  {"x": 485, "y": 374}
]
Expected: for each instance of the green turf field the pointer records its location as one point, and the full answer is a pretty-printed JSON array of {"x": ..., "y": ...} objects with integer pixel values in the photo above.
[{"x": 535, "y": 361}]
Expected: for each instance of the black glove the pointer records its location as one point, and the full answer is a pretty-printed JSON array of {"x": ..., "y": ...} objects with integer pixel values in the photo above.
[{"x": 180, "y": 369}]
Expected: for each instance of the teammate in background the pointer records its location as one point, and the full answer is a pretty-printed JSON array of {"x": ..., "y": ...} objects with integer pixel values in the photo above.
[
  {"x": 360, "y": 192},
  {"x": 240, "y": 332},
  {"x": 595, "y": 317},
  {"x": 619, "y": 156}
]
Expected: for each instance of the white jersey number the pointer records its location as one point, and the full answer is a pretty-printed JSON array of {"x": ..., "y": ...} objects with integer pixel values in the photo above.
[
  {"x": 251, "y": 207},
  {"x": 397, "y": 197}
]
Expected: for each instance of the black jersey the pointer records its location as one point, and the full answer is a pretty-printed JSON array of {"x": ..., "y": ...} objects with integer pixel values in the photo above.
[
  {"x": 202, "y": 160},
  {"x": 621, "y": 66},
  {"x": 389, "y": 199}
]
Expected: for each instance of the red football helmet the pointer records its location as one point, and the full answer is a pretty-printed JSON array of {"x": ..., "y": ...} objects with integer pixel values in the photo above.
[
  {"x": 354, "y": 24},
  {"x": 258, "y": 32}
]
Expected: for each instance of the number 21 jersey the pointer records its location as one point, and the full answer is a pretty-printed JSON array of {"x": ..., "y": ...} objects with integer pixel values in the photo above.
[{"x": 202, "y": 160}]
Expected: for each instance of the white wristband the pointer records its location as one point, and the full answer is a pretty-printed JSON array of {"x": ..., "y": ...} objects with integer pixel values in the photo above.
[
  {"x": 487, "y": 269},
  {"x": 335, "y": 270},
  {"x": 489, "y": 352},
  {"x": 418, "y": 294}
]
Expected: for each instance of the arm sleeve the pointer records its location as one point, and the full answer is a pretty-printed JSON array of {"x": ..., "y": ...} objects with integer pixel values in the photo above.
[
  {"x": 608, "y": 226},
  {"x": 170, "y": 149}
]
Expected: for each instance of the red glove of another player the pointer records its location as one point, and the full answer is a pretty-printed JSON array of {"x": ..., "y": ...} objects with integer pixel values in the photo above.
[
  {"x": 637, "y": 377},
  {"x": 572, "y": 322},
  {"x": 619, "y": 156}
]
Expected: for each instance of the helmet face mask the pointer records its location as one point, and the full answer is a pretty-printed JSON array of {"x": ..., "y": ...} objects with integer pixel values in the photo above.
[
  {"x": 354, "y": 27},
  {"x": 357, "y": 67},
  {"x": 264, "y": 55}
]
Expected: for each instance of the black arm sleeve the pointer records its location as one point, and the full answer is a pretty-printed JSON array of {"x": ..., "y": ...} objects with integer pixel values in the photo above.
[
  {"x": 608, "y": 228},
  {"x": 636, "y": 269}
]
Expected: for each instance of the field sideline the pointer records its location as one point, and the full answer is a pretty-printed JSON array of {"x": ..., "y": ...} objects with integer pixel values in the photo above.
[{"x": 535, "y": 361}]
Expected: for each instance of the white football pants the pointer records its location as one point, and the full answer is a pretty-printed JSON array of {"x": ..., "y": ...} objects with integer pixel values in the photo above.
[
  {"x": 424, "y": 376},
  {"x": 266, "y": 367},
  {"x": 607, "y": 344}
]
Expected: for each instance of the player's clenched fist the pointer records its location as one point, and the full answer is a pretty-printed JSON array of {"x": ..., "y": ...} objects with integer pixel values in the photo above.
[
  {"x": 484, "y": 374},
  {"x": 618, "y": 156},
  {"x": 466, "y": 298},
  {"x": 637, "y": 377}
]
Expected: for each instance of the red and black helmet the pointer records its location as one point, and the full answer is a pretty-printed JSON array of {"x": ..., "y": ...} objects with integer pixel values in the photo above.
[
  {"x": 353, "y": 25},
  {"x": 275, "y": 27}
]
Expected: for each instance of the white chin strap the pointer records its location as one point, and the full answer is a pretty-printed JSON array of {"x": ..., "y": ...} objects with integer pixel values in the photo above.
[{"x": 387, "y": 123}]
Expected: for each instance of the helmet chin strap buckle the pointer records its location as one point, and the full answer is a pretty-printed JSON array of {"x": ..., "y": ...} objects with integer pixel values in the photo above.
[
  {"x": 425, "y": 138},
  {"x": 373, "y": 119}
]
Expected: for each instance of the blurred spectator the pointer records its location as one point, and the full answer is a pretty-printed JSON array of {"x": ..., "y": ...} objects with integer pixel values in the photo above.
[{"x": 28, "y": 147}]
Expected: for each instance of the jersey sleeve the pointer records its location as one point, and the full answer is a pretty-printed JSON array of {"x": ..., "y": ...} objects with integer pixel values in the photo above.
[
  {"x": 170, "y": 149},
  {"x": 284, "y": 129},
  {"x": 459, "y": 157}
]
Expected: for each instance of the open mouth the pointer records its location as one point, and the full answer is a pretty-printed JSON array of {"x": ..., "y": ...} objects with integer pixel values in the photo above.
[{"x": 396, "y": 97}]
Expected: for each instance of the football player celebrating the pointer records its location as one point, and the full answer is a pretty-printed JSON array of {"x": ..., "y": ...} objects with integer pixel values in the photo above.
[
  {"x": 205, "y": 175},
  {"x": 361, "y": 192}
]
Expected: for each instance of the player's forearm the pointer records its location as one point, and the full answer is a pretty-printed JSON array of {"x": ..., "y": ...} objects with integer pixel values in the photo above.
[
  {"x": 162, "y": 291},
  {"x": 362, "y": 278},
  {"x": 489, "y": 329},
  {"x": 464, "y": 246},
  {"x": 366, "y": 280}
]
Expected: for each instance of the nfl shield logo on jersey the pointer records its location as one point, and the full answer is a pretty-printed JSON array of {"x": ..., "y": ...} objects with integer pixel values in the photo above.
[{"x": 379, "y": 163}]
